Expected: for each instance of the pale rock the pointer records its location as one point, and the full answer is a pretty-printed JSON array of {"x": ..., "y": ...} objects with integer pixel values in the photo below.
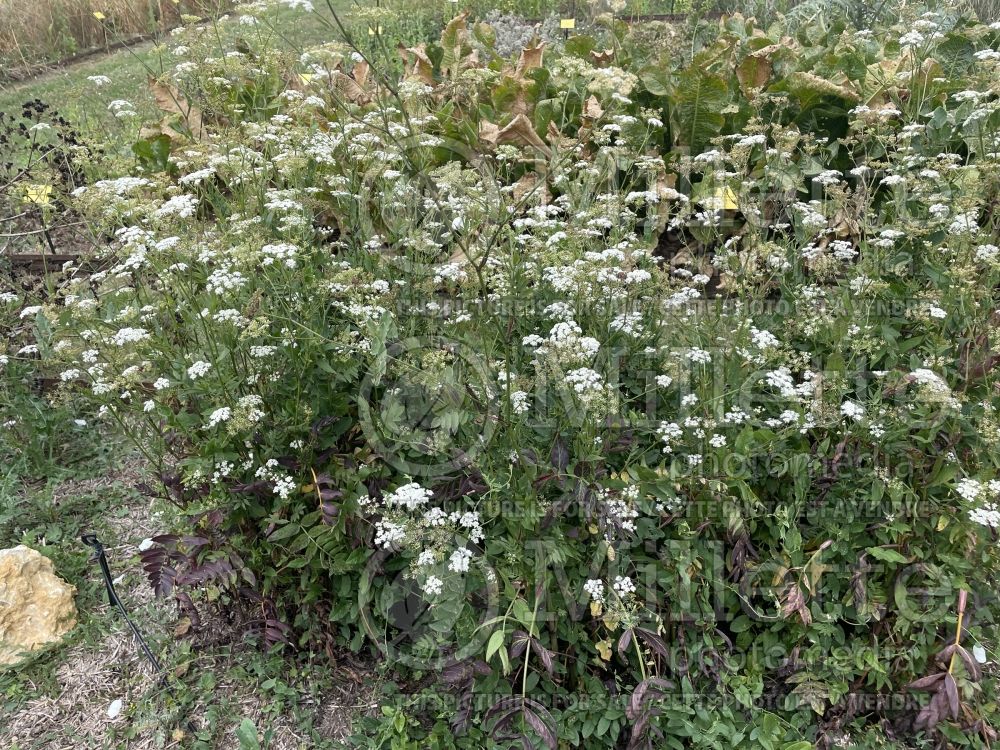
[
  {"x": 115, "y": 708},
  {"x": 36, "y": 606}
]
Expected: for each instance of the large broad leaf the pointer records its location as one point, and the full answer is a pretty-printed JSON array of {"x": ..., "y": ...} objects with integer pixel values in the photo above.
[
  {"x": 453, "y": 39},
  {"x": 656, "y": 78},
  {"x": 531, "y": 58},
  {"x": 697, "y": 100},
  {"x": 417, "y": 64},
  {"x": 348, "y": 87},
  {"x": 169, "y": 99},
  {"x": 753, "y": 72},
  {"x": 955, "y": 55},
  {"x": 485, "y": 35},
  {"x": 809, "y": 88},
  {"x": 519, "y": 131}
]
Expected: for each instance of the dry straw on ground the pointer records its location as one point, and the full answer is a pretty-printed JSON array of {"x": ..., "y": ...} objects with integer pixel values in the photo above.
[{"x": 92, "y": 675}]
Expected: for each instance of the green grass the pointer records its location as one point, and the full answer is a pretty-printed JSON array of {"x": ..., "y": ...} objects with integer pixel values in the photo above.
[{"x": 76, "y": 98}]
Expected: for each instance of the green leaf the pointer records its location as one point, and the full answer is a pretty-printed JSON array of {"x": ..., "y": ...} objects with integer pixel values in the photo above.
[
  {"x": 886, "y": 555},
  {"x": 283, "y": 532},
  {"x": 656, "y": 79},
  {"x": 485, "y": 35},
  {"x": 523, "y": 613},
  {"x": 580, "y": 45},
  {"x": 378, "y": 349},
  {"x": 247, "y": 735},
  {"x": 452, "y": 39},
  {"x": 495, "y": 642},
  {"x": 955, "y": 55},
  {"x": 697, "y": 100}
]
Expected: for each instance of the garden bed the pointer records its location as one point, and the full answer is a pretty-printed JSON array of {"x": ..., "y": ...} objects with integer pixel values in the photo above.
[{"x": 628, "y": 387}]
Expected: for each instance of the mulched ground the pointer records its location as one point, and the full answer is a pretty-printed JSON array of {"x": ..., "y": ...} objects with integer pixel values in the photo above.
[{"x": 93, "y": 674}]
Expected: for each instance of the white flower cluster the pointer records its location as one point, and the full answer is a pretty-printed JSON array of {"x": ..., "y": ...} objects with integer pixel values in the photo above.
[
  {"x": 984, "y": 498},
  {"x": 410, "y": 496},
  {"x": 595, "y": 588},
  {"x": 620, "y": 510},
  {"x": 284, "y": 485}
]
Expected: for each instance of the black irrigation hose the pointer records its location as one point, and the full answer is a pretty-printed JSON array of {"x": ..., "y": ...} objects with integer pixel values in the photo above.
[{"x": 101, "y": 558}]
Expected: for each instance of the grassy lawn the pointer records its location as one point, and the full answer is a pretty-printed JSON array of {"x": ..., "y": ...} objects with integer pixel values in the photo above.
[{"x": 76, "y": 98}]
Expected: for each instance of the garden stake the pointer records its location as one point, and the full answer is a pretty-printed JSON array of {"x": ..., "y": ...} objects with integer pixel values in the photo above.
[{"x": 101, "y": 557}]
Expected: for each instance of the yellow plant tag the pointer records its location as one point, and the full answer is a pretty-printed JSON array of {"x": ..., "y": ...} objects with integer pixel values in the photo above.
[
  {"x": 98, "y": 15},
  {"x": 373, "y": 32},
  {"x": 567, "y": 23},
  {"x": 728, "y": 197},
  {"x": 38, "y": 194}
]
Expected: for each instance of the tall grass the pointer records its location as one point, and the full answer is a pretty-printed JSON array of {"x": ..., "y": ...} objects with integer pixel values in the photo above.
[
  {"x": 37, "y": 31},
  {"x": 988, "y": 11}
]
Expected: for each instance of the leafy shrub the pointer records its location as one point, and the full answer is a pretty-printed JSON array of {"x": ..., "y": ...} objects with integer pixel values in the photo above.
[{"x": 630, "y": 401}]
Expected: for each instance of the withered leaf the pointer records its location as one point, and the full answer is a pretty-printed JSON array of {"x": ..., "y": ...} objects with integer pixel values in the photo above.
[
  {"x": 951, "y": 691},
  {"x": 592, "y": 109},
  {"x": 170, "y": 99},
  {"x": 521, "y": 132},
  {"x": 602, "y": 59},
  {"x": 360, "y": 73},
  {"x": 348, "y": 88},
  {"x": 417, "y": 64},
  {"x": 531, "y": 58},
  {"x": 925, "y": 683}
]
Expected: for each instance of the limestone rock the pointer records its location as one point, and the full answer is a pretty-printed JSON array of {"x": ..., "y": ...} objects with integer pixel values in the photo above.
[{"x": 36, "y": 606}]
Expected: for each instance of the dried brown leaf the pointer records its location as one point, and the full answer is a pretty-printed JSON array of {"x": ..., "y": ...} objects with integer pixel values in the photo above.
[
  {"x": 348, "y": 88},
  {"x": 521, "y": 132},
  {"x": 602, "y": 59},
  {"x": 417, "y": 64},
  {"x": 360, "y": 73},
  {"x": 489, "y": 132},
  {"x": 169, "y": 99},
  {"x": 531, "y": 58},
  {"x": 592, "y": 110}
]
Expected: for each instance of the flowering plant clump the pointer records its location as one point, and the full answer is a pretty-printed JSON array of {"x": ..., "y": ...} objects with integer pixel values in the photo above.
[{"x": 636, "y": 403}]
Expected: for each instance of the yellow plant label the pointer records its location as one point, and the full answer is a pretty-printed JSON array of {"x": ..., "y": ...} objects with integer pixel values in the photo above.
[
  {"x": 728, "y": 196},
  {"x": 567, "y": 23},
  {"x": 38, "y": 194}
]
